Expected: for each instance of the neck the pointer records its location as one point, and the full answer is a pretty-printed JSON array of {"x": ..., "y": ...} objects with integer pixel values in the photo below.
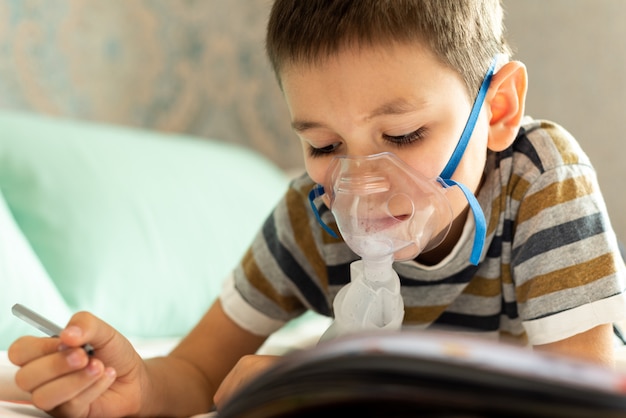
[{"x": 434, "y": 256}]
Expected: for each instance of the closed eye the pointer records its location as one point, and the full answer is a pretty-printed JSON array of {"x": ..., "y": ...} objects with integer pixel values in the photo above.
[
  {"x": 407, "y": 138},
  {"x": 320, "y": 152}
]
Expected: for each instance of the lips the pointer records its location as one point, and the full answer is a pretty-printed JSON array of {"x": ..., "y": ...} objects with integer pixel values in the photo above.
[
  {"x": 402, "y": 218},
  {"x": 373, "y": 225}
]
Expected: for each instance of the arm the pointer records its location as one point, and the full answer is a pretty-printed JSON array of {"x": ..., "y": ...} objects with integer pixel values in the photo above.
[
  {"x": 201, "y": 361},
  {"x": 567, "y": 268},
  {"x": 594, "y": 345}
]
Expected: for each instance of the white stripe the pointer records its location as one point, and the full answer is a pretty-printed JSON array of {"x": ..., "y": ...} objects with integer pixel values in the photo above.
[
  {"x": 574, "y": 321},
  {"x": 243, "y": 314}
]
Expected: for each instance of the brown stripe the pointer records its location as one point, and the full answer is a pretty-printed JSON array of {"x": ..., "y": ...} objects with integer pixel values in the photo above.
[
  {"x": 505, "y": 274},
  {"x": 562, "y": 142},
  {"x": 417, "y": 315},
  {"x": 480, "y": 286},
  {"x": 507, "y": 337},
  {"x": 496, "y": 207},
  {"x": 518, "y": 187},
  {"x": 567, "y": 278},
  {"x": 299, "y": 219},
  {"x": 553, "y": 195},
  {"x": 258, "y": 280}
]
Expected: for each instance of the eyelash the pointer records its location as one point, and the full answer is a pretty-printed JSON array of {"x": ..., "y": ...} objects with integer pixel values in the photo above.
[
  {"x": 399, "y": 141},
  {"x": 321, "y": 152},
  {"x": 407, "y": 139}
]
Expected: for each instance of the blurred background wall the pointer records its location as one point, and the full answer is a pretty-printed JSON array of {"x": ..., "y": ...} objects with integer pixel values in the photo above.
[
  {"x": 198, "y": 67},
  {"x": 575, "y": 51}
]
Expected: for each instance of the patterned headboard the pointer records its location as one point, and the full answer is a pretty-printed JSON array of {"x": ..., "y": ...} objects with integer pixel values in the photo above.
[{"x": 194, "y": 67}]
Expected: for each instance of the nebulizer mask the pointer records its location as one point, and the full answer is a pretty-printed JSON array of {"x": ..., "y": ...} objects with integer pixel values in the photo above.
[{"x": 386, "y": 211}]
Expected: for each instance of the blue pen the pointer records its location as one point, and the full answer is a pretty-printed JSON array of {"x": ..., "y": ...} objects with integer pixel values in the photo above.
[{"x": 49, "y": 328}]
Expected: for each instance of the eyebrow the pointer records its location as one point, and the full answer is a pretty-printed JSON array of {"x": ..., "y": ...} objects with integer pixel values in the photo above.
[{"x": 394, "y": 107}]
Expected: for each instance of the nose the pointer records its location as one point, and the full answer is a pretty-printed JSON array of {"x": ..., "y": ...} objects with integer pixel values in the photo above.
[
  {"x": 362, "y": 182},
  {"x": 361, "y": 175},
  {"x": 361, "y": 148}
]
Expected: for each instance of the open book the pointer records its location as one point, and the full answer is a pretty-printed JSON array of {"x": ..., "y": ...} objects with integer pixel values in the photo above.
[{"x": 428, "y": 374}]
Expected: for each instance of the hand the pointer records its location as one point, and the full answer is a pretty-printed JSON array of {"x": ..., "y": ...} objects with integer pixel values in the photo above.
[
  {"x": 246, "y": 369},
  {"x": 64, "y": 381}
]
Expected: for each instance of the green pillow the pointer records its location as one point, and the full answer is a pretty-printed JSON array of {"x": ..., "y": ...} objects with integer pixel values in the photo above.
[
  {"x": 138, "y": 227},
  {"x": 23, "y": 280}
]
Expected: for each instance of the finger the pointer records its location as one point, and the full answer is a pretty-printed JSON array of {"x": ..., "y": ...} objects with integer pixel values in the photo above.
[
  {"x": 49, "y": 367},
  {"x": 94, "y": 391},
  {"x": 77, "y": 405},
  {"x": 246, "y": 369},
  {"x": 68, "y": 387},
  {"x": 110, "y": 346},
  {"x": 26, "y": 349},
  {"x": 228, "y": 385},
  {"x": 85, "y": 328}
]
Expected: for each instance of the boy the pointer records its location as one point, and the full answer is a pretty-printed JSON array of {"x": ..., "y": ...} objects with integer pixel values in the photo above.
[{"x": 362, "y": 78}]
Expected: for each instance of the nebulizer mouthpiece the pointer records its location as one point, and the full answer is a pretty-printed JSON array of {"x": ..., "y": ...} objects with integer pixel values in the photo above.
[{"x": 385, "y": 211}]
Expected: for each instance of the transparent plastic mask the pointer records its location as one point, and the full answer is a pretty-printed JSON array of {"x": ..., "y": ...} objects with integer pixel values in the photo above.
[{"x": 384, "y": 207}]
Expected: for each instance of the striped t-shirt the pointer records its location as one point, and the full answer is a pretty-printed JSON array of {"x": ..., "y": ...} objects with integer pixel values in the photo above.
[{"x": 551, "y": 267}]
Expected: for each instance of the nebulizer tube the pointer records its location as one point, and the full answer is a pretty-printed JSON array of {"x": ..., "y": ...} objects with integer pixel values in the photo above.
[{"x": 370, "y": 301}]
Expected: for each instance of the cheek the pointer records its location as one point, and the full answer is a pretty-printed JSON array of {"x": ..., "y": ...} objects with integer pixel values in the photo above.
[
  {"x": 429, "y": 168},
  {"x": 472, "y": 165},
  {"x": 316, "y": 168},
  {"x": 428, "y": 163}
]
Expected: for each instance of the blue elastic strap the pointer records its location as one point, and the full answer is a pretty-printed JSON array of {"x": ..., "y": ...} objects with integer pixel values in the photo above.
[
  {"x": 479, "y": 217},
  {"x": 479, "y": 221},
  {"x": 449, "y": 169},
  {"x": 316, "y": 192}
]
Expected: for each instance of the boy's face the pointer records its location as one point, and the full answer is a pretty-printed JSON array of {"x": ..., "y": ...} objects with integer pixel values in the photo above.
[{"x": 396, "y": 98}]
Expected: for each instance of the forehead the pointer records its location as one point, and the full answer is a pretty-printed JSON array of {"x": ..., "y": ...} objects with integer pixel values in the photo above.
[
  {"x": 377, "y": 72},
  {"x": 358, "y": 51}
]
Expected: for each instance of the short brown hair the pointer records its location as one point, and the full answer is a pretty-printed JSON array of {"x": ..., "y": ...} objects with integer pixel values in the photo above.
[{"x": 464, "y": 34}]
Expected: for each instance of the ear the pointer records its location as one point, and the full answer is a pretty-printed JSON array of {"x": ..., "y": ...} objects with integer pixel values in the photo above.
[{"x": 505, "y": 101}]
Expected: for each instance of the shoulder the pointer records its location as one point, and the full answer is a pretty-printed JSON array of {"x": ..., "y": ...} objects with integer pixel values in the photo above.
[
  {"x": 300, "y": 213},
  {"x": 301, "y": 185},
  {"x": 546, "y": 145},
  {"x": 544, "y": 153}
]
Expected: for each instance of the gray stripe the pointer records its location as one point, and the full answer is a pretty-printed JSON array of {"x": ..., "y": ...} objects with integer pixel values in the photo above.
[{"x": 558, "y": 236}]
